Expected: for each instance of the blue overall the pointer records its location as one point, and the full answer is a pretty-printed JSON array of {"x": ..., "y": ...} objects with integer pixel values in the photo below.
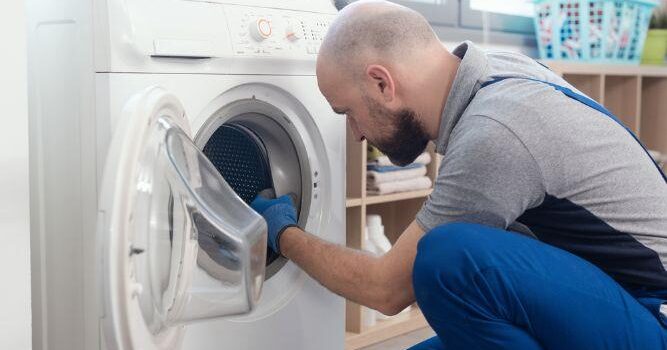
[{"x": 486, "y": 288}]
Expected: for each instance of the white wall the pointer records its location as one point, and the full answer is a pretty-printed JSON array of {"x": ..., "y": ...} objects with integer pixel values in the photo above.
[{"x": 15, "y": 329}]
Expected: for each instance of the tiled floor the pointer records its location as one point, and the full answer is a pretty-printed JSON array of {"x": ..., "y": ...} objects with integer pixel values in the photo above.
[{"x": 404, "y": 341}]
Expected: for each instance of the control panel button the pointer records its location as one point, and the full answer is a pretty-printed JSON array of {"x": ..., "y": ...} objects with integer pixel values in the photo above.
[
  {"x": 261, "y": 29},
  {"x": 292, "y": 33}
]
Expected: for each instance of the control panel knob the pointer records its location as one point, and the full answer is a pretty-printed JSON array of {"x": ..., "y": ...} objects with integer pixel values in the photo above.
[
  {"x": 291, "y": 32},
  {"x": 260, "y": 29}
]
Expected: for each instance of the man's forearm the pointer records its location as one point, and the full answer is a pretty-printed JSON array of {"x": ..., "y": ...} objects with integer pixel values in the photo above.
[{"x": 353, "y": 274}]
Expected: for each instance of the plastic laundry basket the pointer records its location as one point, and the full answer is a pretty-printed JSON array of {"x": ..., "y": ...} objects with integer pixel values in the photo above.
[{"x": 592, "y": 31}]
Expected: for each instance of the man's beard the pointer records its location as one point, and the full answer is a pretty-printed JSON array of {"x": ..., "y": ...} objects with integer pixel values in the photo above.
[{"x": 409, "y": 138}]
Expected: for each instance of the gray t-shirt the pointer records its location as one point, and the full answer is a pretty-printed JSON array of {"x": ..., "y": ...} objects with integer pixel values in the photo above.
[{"x": 522, "y": 156}]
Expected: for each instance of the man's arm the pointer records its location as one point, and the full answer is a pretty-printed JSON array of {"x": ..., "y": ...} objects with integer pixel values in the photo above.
[{"x": 383, "y": 283}]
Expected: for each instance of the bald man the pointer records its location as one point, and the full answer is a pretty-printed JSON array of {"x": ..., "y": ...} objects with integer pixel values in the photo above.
[{"x": 547, "y": 225}]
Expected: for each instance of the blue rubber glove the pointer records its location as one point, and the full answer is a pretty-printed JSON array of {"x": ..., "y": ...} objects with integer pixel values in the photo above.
[{"x": 279, "y": 214}]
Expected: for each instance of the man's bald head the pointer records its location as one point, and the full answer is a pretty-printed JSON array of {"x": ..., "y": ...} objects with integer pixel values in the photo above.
[
  {"x": 375, "y": 30},
  {"x": 382, "y": 66}
]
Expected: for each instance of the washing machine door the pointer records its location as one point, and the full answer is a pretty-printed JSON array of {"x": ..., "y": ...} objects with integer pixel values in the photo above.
[{"x": 163, "y": 203}]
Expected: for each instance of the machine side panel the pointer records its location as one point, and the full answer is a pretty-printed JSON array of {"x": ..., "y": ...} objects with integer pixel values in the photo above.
[
  {"x": 58, "y": 231},
  {"x": 61, "y": 139}
]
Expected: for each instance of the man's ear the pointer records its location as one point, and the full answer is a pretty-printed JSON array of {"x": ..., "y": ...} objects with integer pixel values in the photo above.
[{"x": 382, "y": 83}]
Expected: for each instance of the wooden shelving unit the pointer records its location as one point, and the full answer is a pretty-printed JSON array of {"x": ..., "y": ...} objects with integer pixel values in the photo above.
[
  {"x": 397, "y": 211},
  {"x": 637, "y": 95},
  {"x": 394, "y": 197}
]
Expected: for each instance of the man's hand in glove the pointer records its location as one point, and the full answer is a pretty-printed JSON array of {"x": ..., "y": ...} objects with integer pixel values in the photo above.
[{"x": 279, "y": 214}]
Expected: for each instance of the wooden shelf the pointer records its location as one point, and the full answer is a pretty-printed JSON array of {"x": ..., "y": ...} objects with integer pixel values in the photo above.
[
  {"x": 653, "y": 121},
  {"x": 611, "y": 69},
  {"x": 353, "y": 202},
  {"x": 394, "y": 197},
  {"x": 386, "y": 329},
  {"x": 622, "y": 97}
]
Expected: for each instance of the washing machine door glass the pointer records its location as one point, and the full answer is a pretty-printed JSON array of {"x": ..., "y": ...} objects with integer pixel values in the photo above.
[{"x": 162, "y": 204}]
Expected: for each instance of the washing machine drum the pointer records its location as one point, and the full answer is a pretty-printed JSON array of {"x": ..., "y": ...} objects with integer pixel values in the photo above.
[{"x": 241, "y": 156}]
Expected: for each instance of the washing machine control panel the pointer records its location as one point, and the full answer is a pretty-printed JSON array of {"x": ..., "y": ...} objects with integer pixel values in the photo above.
[{"x": 273, "y": 32}]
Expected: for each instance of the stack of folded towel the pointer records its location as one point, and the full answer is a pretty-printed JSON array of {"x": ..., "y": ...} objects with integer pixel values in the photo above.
[{"x": 383, "y": 177}]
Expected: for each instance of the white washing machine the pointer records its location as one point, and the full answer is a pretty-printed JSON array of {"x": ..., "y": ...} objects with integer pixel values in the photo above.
[{"x": 153, "y": 124}]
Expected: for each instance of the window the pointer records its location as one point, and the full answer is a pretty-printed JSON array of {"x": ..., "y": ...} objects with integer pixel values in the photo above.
[
  {"x": 513, "y": 16},
  {"x": 437, "y": 12}
]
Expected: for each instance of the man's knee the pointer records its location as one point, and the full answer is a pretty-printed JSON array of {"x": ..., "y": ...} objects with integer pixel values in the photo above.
[
  {"x": 458, "y": 234},
  {"x": 452, "y": 253},
  {"x": 452, "y": 243}
]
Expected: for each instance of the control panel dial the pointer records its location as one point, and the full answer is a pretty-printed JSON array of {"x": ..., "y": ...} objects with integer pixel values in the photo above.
[{"x": 261, "y": 29}]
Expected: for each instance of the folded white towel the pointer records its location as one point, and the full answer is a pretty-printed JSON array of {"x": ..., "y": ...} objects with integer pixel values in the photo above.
[
  {"x": 655, "y": 154},
  {"x": 420, "y": 183},
  {"x": 374, "y": 177},
  {"x": 424, "y": 158},
  {"x": 660, "y": 158}
]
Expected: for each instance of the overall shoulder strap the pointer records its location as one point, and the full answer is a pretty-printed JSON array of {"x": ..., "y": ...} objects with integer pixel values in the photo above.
[{"x": 586, "y": 101}]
